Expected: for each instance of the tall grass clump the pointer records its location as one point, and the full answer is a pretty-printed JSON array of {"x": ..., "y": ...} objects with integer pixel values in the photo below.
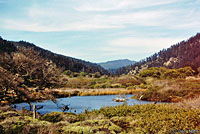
[{"x": 191, "y": 103}]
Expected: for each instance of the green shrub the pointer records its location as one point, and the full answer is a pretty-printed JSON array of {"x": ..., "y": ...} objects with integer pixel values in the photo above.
[
  {"x": 153, "y": 95},
  {"x": 172, "y": 73},
  {"x": 15, "y": 128},
  {"x": 77, "y": 130},
  {"x": 93, "y": 126},
  {"x": 97, "y": 86},
  {"x": 151, "y": 118},
  {"x": 151, "y": 72},
  {"x": 52, "y": 117},
  {"x": 144, "y": 86},
  {"x": 67, "y": 72},
  {"x": 167, "y": 73},
  {"x": 186, "y": 71},
  {"x": 83, "y": 74},
  {"x": 131, "y": 87}
]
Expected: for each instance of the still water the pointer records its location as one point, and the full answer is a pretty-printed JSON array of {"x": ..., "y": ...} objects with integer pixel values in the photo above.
[{"x": 79, "y": 104}]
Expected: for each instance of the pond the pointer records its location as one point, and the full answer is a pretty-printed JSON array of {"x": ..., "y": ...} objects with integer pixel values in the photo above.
[{"x": 79, "y": 104}]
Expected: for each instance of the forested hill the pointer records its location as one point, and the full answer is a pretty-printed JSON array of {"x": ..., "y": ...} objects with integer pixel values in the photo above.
[
  {"x": 185, "y": 53},
  {"x": 65, "y": 62},
  {"x": 26, "y": 70}
]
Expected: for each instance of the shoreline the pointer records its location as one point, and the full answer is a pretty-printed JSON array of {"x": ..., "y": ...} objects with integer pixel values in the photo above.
[
  {"x": 96, "y": 92},
  {"x": 63, "y": 92}
]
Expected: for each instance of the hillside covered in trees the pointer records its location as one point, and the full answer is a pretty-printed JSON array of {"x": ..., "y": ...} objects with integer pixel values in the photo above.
[
  {"x": 26, "y": 70},
  {"x": 66, "y": 62},
  {"x": 185, "y": 53}
]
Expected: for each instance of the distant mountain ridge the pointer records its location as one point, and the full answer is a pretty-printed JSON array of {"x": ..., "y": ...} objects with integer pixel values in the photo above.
[
  {"x": 115, "y": 64},
  {"x": 185, "y": 53}
]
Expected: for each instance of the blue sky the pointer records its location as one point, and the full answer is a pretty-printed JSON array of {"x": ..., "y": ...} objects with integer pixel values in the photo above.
[{"x": 100, "y": 30}]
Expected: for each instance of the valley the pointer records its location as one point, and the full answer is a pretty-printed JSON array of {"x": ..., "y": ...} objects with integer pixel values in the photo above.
[{"x": 169, "y": 80}]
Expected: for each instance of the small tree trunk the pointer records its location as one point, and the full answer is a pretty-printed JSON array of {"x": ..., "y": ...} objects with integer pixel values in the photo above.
[
  {"x": 34, "y": 112},
  {"x": 23, "y": 111}
]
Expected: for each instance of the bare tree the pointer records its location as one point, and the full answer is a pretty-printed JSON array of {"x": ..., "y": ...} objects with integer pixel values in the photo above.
[
  {"x": 8, "y": 85},
  {"x": 35, "y": 70}
]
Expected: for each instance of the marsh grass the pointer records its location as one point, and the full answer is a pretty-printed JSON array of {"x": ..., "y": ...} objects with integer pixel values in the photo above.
[
  {"x": 175, "y": 90},
  {"x": 190, "y": 103},
  {"x": 106, "y": 93},
  {"x": 103, "y": 82}
]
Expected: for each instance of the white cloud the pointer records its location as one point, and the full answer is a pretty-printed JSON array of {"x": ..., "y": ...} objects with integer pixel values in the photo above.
[
  {"x": 125, "y": 27},
  {"x": 54, "y": 27},
  {"x": 189, "y": 25},
  {"x": 42, "y": 21},
  {"x": 185, "y": 19},
  {"x": 141, "y": 18},
  {"x": 108, "y": 5},
  {"x": 63, "y": 17}
]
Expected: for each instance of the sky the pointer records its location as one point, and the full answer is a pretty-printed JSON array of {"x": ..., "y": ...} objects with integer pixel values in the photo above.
[{"x": 100, "y": 30}]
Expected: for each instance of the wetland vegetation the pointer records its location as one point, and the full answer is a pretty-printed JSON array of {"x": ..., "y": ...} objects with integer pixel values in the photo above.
[
  {"x": 29, "y": 74},
  {"x": 146, "y": 118}
]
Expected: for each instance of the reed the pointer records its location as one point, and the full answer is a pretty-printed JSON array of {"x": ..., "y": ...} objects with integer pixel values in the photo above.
[{"x": 106, "y": 93}]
